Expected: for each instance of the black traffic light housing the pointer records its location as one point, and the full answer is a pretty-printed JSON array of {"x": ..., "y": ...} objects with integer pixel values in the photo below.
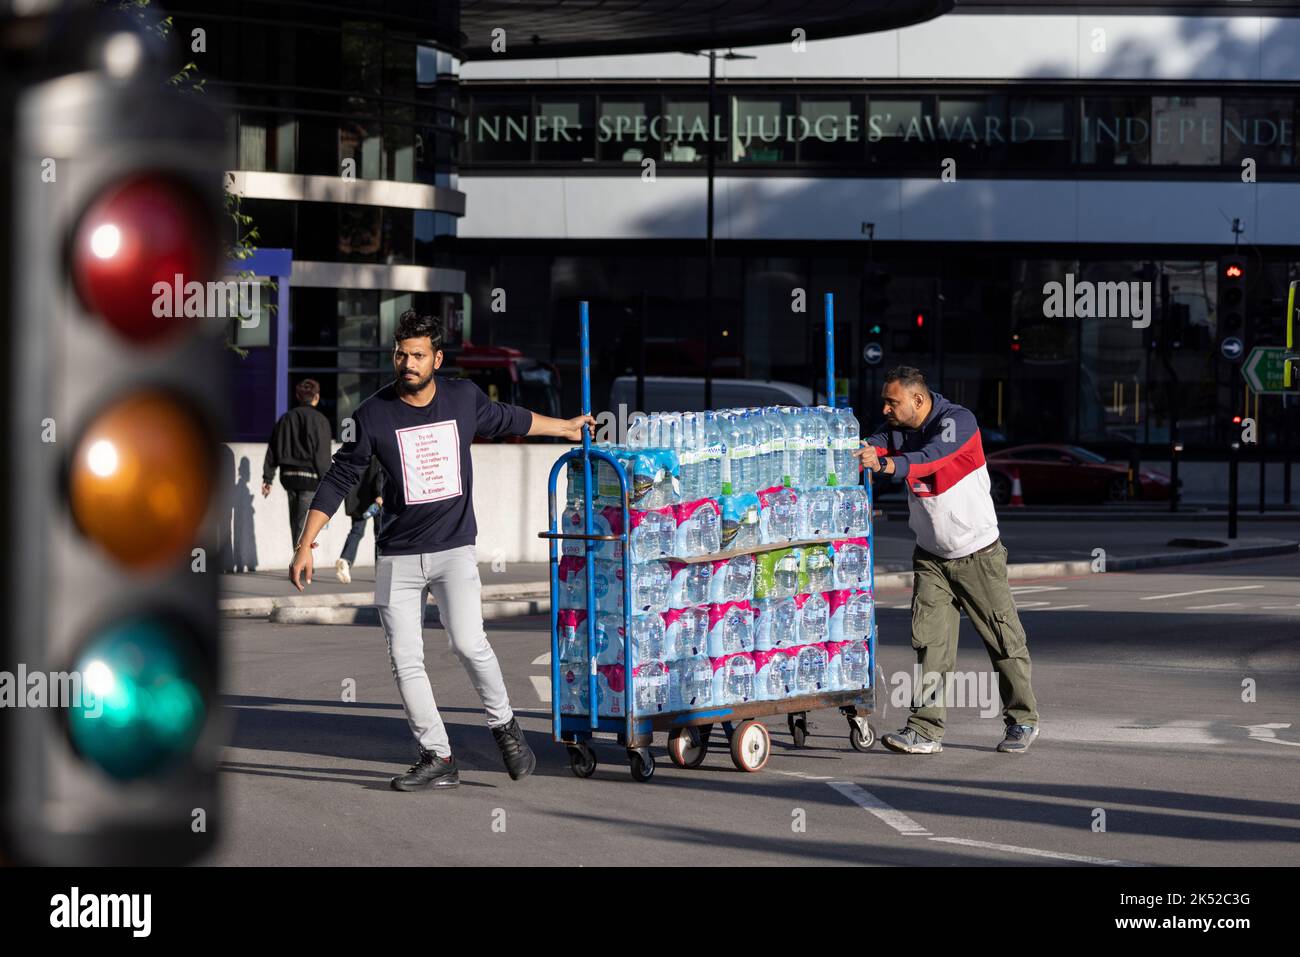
[
  {"x": 110, "y": 571},
  {"x": 1232, "y": 296}
]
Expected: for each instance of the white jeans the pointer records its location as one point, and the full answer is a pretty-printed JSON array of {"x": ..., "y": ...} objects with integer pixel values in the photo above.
[{"x": 452, "y": 578}]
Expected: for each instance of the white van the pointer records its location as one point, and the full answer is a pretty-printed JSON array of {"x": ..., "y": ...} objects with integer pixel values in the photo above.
[{"x": 686, "y": 394}]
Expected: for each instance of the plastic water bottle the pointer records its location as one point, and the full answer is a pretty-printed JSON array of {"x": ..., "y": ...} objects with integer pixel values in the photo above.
[
  {"x": 855, "y": 664},
  {"x": 650, "y": 687},
  {"x": 731, "y": 440},
  {"x": 810, "y": 669},
  {"x": 650, "y": 584},
  {"x": 785, "y": 623},
  {"x": 776, "y": 454},
  {"x": 738, "y": 679},
  {"x": 817, "y": 512},
  {"x": 838, "y": 472},
  {"x": 821, "y": 570},
  {"x": 694, "y": 682},
  {"x": 638, "y": 431},
  {"x": 648, "y": 639},
  {"x": 762, "y": 434},
  {"x": 713, "y": 445},
  {"x": 688, "y": 458},
  {"x": 670, "y": 433},
  {"x": 816, "y": 439},
  {"x": 850, "y": 436},
  {"x": 792, "y": 470},
  {"x": 814, "y": 622},
  {"x": 857, "y": 616}
]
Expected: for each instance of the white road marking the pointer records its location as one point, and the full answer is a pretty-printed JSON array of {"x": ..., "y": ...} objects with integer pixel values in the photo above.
[
  {"x": 805, "y": 776},
  {"x": 896, "y": 819},
  {"x": 900, "y": 607},
  {"x": 1031, "y": 604},
  {"x": 1277, "y": 607},
  {"x": 908, "y": 827},
  {"x": 1026, "y": 589},
  {"x": 1222, "y": 604},
  {"x": 1034, "y": 852},
  {"x": 1064, "y": 607},
  {"x": 1268, "y": 732},
  {"x": 543, "y": 659},
  {"x": 1201, "y": 591},
  {"x": 543, "y": 688}
]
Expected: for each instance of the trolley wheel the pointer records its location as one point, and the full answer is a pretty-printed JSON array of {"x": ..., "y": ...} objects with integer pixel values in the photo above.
[
  {"x": 687, "y": 748},
  {"x": 751, "y": 746},
  {"x": 861, "y": 735},
  {"x": 642, "y": 763},
  {"x": 798, "y": 729},
  {"x": 582, "y": 760}
]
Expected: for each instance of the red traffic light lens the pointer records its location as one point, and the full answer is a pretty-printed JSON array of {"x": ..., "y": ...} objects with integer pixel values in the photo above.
[
  {"x": 141, "y": 231},
  {"x": 1233, "y": 271}
]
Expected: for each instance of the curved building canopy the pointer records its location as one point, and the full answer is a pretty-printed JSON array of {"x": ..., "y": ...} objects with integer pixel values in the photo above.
[{"x": 550, "y": 28}]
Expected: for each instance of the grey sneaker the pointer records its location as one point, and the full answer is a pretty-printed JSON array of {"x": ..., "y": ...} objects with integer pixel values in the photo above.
[
  {"x": 1019, "y": 738},
  {"x": 909, "y": 741}
]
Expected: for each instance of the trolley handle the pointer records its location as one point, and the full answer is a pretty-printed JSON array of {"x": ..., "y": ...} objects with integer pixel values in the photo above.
[{"x": 585, "y": 538}]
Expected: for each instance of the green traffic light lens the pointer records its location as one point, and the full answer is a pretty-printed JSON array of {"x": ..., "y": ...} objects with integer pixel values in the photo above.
[{"x": 143, "y": 698}]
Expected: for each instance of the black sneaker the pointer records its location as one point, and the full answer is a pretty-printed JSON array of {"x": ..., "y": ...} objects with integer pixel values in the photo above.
[
  {"x": 515, "y": 751},
  {"x": 430, "y": 771}
]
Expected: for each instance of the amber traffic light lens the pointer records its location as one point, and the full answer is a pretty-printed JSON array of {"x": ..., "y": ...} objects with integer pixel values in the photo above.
[{"x": 141, "y": 479}]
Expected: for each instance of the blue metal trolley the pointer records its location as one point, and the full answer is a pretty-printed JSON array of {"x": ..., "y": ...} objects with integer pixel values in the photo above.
[{"x": 689, "y": 732}]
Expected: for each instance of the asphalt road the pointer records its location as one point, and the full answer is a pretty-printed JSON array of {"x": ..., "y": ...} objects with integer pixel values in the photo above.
[{"x": 1139, "y": 679}]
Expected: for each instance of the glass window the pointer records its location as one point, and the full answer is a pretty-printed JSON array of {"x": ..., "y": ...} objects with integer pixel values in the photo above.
[
  {"x": 360, "y": 230},
  {"x": 969, "y": 129},
  {"x": 623, "y": 130},
  {"x": 1185, "y": 131},
  {"x": 563, "y": 129},
  {"x": 900, "y": 132},
  {"x": 1040, "y": 404},
  {"x": 1115, "y": 131},
  {"x": 1114, "y": 387},
  {"x": 762, "y": 129},
  {"x": 830, "y": 129},
  {"x": 684, "y": 129},
  {"x": 1259, "y": 129},
  {"x": 1037, "y": 133},
  {"x": 499, "y": 129}
]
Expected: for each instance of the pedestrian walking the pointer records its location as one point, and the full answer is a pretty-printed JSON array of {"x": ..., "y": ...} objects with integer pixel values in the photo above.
[
  {"x": 300, "y": 449},
  {"x": 364, "y": 502},
  {"x": 959, "y": 563},
  {"x": 420, "y": 428}
]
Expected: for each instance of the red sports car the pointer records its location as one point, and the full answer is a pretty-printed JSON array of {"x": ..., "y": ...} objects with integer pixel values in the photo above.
[{"x": 1067, "y": 473}]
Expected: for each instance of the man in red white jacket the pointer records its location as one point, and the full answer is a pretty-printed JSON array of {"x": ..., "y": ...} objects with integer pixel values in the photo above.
[{"x": 959, "y": 563}]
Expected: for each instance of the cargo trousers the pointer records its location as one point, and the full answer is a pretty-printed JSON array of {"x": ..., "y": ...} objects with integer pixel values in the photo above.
[
  {"x": 977, "y": 584},
  {"x": 451, "y": 576}
]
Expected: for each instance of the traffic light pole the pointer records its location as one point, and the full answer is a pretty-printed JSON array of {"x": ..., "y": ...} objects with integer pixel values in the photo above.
[{"x": 1233, "y": 449}]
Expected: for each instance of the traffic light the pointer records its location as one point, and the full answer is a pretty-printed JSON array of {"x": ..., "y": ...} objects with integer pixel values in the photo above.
[
  {"x": 875, "y": 299},
  {"x": 114, "y": 406},
  {"x": 1232, "y": 296}
]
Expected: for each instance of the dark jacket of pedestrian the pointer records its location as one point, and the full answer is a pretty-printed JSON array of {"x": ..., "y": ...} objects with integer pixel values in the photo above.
[{"x": 299, "y": 448}]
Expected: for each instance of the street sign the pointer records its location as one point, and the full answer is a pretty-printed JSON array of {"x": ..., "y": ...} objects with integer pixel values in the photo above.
[
  {"x": 1232, "y": 348},
  {"x": 1263, "y": 370},
  {"x": 872, "y": 353}
]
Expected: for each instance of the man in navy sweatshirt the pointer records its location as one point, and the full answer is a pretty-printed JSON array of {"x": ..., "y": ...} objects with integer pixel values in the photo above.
[
  {"x": 959, "y": 563},
  {"x": 420, "y": 428}
]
